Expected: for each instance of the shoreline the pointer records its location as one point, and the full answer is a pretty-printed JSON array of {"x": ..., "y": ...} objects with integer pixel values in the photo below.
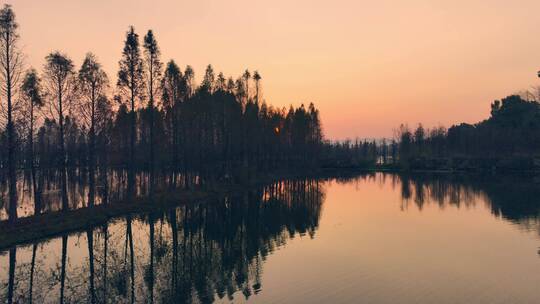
[{"x": 48, "y": 225}]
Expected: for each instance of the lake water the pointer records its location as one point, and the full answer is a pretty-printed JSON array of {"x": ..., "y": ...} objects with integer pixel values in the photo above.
[{"x": 378, "y": 238}]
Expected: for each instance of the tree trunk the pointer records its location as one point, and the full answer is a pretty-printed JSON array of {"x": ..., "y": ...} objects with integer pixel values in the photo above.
[
  {"x": 12, "y": 264},
  {"x": 174, "y": 268},
  {"x": 12, "y": 175},
  {"x": 63, "y": 269},
  {"x": 32, "y": 269},
  {"x": 151, "y": 274},
  {"x": 132, "y": 259},
  {"x": 63, "y": 167},
  {"x": 131, "y": 171},
  {"x": 105, "y": 251},
  {"x": 90, "y": 241},
  {"x": 91, "y": 153},
  {"x": 31, "y": 161}
]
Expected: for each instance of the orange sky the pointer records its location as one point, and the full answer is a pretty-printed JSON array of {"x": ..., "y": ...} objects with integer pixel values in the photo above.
[{"x": 368, "y": 65}]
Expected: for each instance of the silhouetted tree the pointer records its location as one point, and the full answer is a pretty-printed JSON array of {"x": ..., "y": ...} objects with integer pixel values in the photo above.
[
  {"x": 32, "y": 95},
  {"x": 92, "y": 84},
  {"x": 173, "y": 89},
  {"x": 12, "y": 266},
  {"x": 153, "y": 73},
  {"x": 131, "y": 83},
  {"x": 257, "y": 77},
  {"x": 189, "y": 76},
  {"x": 208, "y": 80},
  {"x": 59, "y": 83},
  {"x": 10, "y": 72},
  {"x": 246, "y": 77}
]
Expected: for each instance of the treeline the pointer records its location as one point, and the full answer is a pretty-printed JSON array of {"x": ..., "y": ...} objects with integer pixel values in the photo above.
[
  {"x": 508, "y": 139},
  {"x": 155, "y": 118},
  {"x": 363, "y": 154}
]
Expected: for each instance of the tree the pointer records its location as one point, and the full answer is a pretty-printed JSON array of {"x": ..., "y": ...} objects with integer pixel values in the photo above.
[
  {"x": 221, "y": 82},
  {"x": 208, "y": 80},
  {"x": 10, "y": 72},
  {"x": 405, "y": 141},
  {"x": 131, "y": 83},
  {"x": 419, "y": 137},
  {"x": 230, "y": 86},
  {"x": 257, "y": 77},
  {"x": 173, "y": 89},
  {"x": 92, "y": 84},
  {"x": 11, "y": 279},
  {"x": 153, "y": 73},
  {"x": 246, "y": 76},
  {"x": 189, "y": 76},
  {"x": 32, "y": 95},
  {"x": 60, "y": 82}
]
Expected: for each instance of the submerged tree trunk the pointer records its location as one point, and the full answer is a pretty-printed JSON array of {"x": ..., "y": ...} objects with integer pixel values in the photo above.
[
  {"x": 32, "y": 269},
  {"x": 91, "y": 153},
  {"x": 63, "y": 161},
  {"x": 151, "y": 268},
  {"x": 174, "y": 268},
  {"x": 131, "y": 258},
  {"x": 32, "y": 164},
  {"x": 131, "y": 169},
  {"x": 90, "y": 241},
  {"x": 105, "y": 251},
  {"x": 12, "y": 265},
  {"x": 104, "y": 178},
  {"x": 12, "y": 175},
  {"x": 91, "y": 174},
  {"x": 63, "y": 269}
]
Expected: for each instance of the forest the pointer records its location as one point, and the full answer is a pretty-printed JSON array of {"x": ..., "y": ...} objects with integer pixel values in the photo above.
[{"x": 66, "y": 120}]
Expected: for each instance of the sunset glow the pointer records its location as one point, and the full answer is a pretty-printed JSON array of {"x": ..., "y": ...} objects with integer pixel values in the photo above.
[{"x": 368, "y": 66}]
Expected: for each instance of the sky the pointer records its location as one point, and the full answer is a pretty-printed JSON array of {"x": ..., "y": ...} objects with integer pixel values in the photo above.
[{"x": 367, "y": 65}]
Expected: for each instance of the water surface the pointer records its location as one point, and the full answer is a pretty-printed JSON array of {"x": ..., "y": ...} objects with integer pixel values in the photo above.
[{"x": 376, "y": 238}]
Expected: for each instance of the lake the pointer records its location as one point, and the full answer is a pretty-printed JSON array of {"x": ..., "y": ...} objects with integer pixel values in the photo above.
[{"x": 374, "y": 238}]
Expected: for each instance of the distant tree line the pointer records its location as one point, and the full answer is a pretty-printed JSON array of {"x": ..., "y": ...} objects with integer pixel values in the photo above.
[
  {"x": 155, "y": 118},
  {"x": 358, "y": 153},
  {"x": 508, "y": 139}
]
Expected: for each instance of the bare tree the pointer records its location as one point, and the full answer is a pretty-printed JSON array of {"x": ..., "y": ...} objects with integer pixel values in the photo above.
[
  {"x": 131, "y": 83},
  {"x": 60, "y": 81},
  {"x": 172, "y": 93},
  {"x": 32, "y": 96},
  {"x": 92, "y": 84},
  {"x": 153, "y": 74},
  {"x": 11, "y": 61}
]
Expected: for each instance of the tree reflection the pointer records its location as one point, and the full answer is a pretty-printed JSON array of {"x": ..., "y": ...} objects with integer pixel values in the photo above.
[
  {"x": 514, "y": 198},
  {"x": 195, "y": 253},
  {"x": 202, "y": 252}
]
